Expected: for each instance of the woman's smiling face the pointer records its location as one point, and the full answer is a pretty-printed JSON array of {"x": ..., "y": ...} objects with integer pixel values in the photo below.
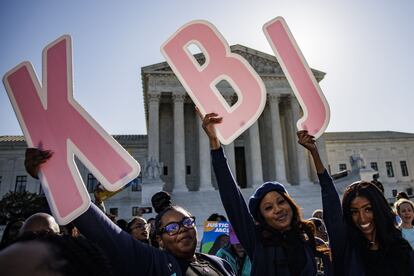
[
  {"x": 363, "y": 216},
  {"x": 276, "y": 211},
  {"x": 183, "y": 243}
]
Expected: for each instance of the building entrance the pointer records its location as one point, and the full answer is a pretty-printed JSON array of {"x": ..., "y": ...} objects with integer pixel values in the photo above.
[{"x": 240, "y": 166}]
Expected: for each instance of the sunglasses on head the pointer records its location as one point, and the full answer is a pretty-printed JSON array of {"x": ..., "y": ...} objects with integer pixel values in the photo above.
[{"x": 172, "y": 228}]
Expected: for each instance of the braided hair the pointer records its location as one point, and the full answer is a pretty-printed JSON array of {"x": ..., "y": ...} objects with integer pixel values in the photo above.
[
  {"x": 81, "y": 256},
  {"x": 161, "y": 202}
]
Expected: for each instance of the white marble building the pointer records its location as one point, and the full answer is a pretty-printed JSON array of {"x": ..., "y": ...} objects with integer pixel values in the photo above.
[
  {"x": 391, "y": 154},
  {"x": 267, "y": 151},
  {"x": 175, "y": 154}
]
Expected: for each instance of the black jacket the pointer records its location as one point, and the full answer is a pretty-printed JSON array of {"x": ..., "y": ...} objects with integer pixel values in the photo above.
[
  {"x": 131, "y": 257},
  {"x": 347, "y": 259},
  {"x": 266, "y": 260}
]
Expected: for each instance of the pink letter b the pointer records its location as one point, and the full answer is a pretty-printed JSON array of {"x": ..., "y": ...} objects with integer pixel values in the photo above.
[{"x": 200, "y": 81}]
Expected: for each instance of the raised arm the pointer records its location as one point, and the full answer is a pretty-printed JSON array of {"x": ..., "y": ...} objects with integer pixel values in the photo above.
[
  {"x": 332, "y": 211},
  {"x": 230, "y": 194},
  {"x": 122, "y": 250}
]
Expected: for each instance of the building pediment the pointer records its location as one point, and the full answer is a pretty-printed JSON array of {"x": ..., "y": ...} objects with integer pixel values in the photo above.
[
  {"x": 264, "y": 64},
  {"x": 159, "y": 76}
]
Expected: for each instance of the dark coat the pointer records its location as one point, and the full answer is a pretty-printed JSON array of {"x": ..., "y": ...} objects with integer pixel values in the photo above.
[
  {"x": 266, "y": 260},
  {"x": 131, "y": 257},
  {"x": 345, "y": 257}
]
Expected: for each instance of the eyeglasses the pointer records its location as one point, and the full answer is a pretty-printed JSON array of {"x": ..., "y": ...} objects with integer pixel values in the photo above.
[{"x": 172, "y": 228}]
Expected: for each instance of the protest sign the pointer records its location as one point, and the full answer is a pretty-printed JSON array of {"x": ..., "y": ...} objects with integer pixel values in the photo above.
[
  {"x": 51, "y": 119},
  {"x": 220, "y": 64},
  {"x": 216, "y": 236},
  {"x": 200, "y": 80},
  {"x": 315, "y": 108}
]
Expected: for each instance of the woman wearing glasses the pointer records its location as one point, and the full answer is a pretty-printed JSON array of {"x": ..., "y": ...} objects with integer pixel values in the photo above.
[
  {"x": 362, "y": 234},
  {"x": 176, "y": 233}
]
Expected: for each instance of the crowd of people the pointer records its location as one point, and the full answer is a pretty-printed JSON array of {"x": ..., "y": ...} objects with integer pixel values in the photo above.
[{"x": 358, "y": 235}]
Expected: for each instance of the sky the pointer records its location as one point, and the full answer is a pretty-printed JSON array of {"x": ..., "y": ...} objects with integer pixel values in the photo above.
[{"x": 364, "y": 47}]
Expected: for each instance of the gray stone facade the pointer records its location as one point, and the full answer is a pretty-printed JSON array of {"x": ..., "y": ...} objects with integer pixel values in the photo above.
[{"x": 389, "y": 153}]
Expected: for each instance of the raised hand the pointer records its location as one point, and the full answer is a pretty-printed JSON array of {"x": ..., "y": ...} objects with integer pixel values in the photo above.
[
  {"x": 306, "y": 140},
  {"x": 34, "y": 158},
  {"x": 209, "y": 122}
]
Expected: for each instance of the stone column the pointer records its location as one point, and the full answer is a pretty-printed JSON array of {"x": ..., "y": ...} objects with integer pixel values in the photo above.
[
  {"x": 291, "y": 141},
  {"x": 320, "y": 143},
  {"x": 256, "y": 155},
  {"x": 231, "y": 159},
  {"x": 277, "y": 139},
  {"x": 153, "y": 126},
  {"x": 301, "y": 154},
  {"x": 179, "y": 144},
  {"x": 229, "y": 149},
  {"x": 204, "y": 158}
]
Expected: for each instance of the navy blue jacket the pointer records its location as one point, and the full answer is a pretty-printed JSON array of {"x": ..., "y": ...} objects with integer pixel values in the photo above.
[
  {"x": 131, "y": 257},
  {"x": 346, "y": 259},
  {"x": 264, "y": 258}
]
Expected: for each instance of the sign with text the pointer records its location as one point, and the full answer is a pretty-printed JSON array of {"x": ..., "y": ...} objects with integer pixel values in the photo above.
[
  {"x": 216, "y": 236},
  {"x": 51, "y": 119},
  {"x": 220, "y": 64},
  {"x": 315, "y": 108}
]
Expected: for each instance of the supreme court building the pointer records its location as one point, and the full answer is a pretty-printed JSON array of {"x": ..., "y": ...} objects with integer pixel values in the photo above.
[{"x": 268, "y": 150}]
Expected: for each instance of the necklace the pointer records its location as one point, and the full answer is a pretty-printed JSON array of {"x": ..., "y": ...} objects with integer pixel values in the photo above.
[{"x": 373, "y": 245}]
